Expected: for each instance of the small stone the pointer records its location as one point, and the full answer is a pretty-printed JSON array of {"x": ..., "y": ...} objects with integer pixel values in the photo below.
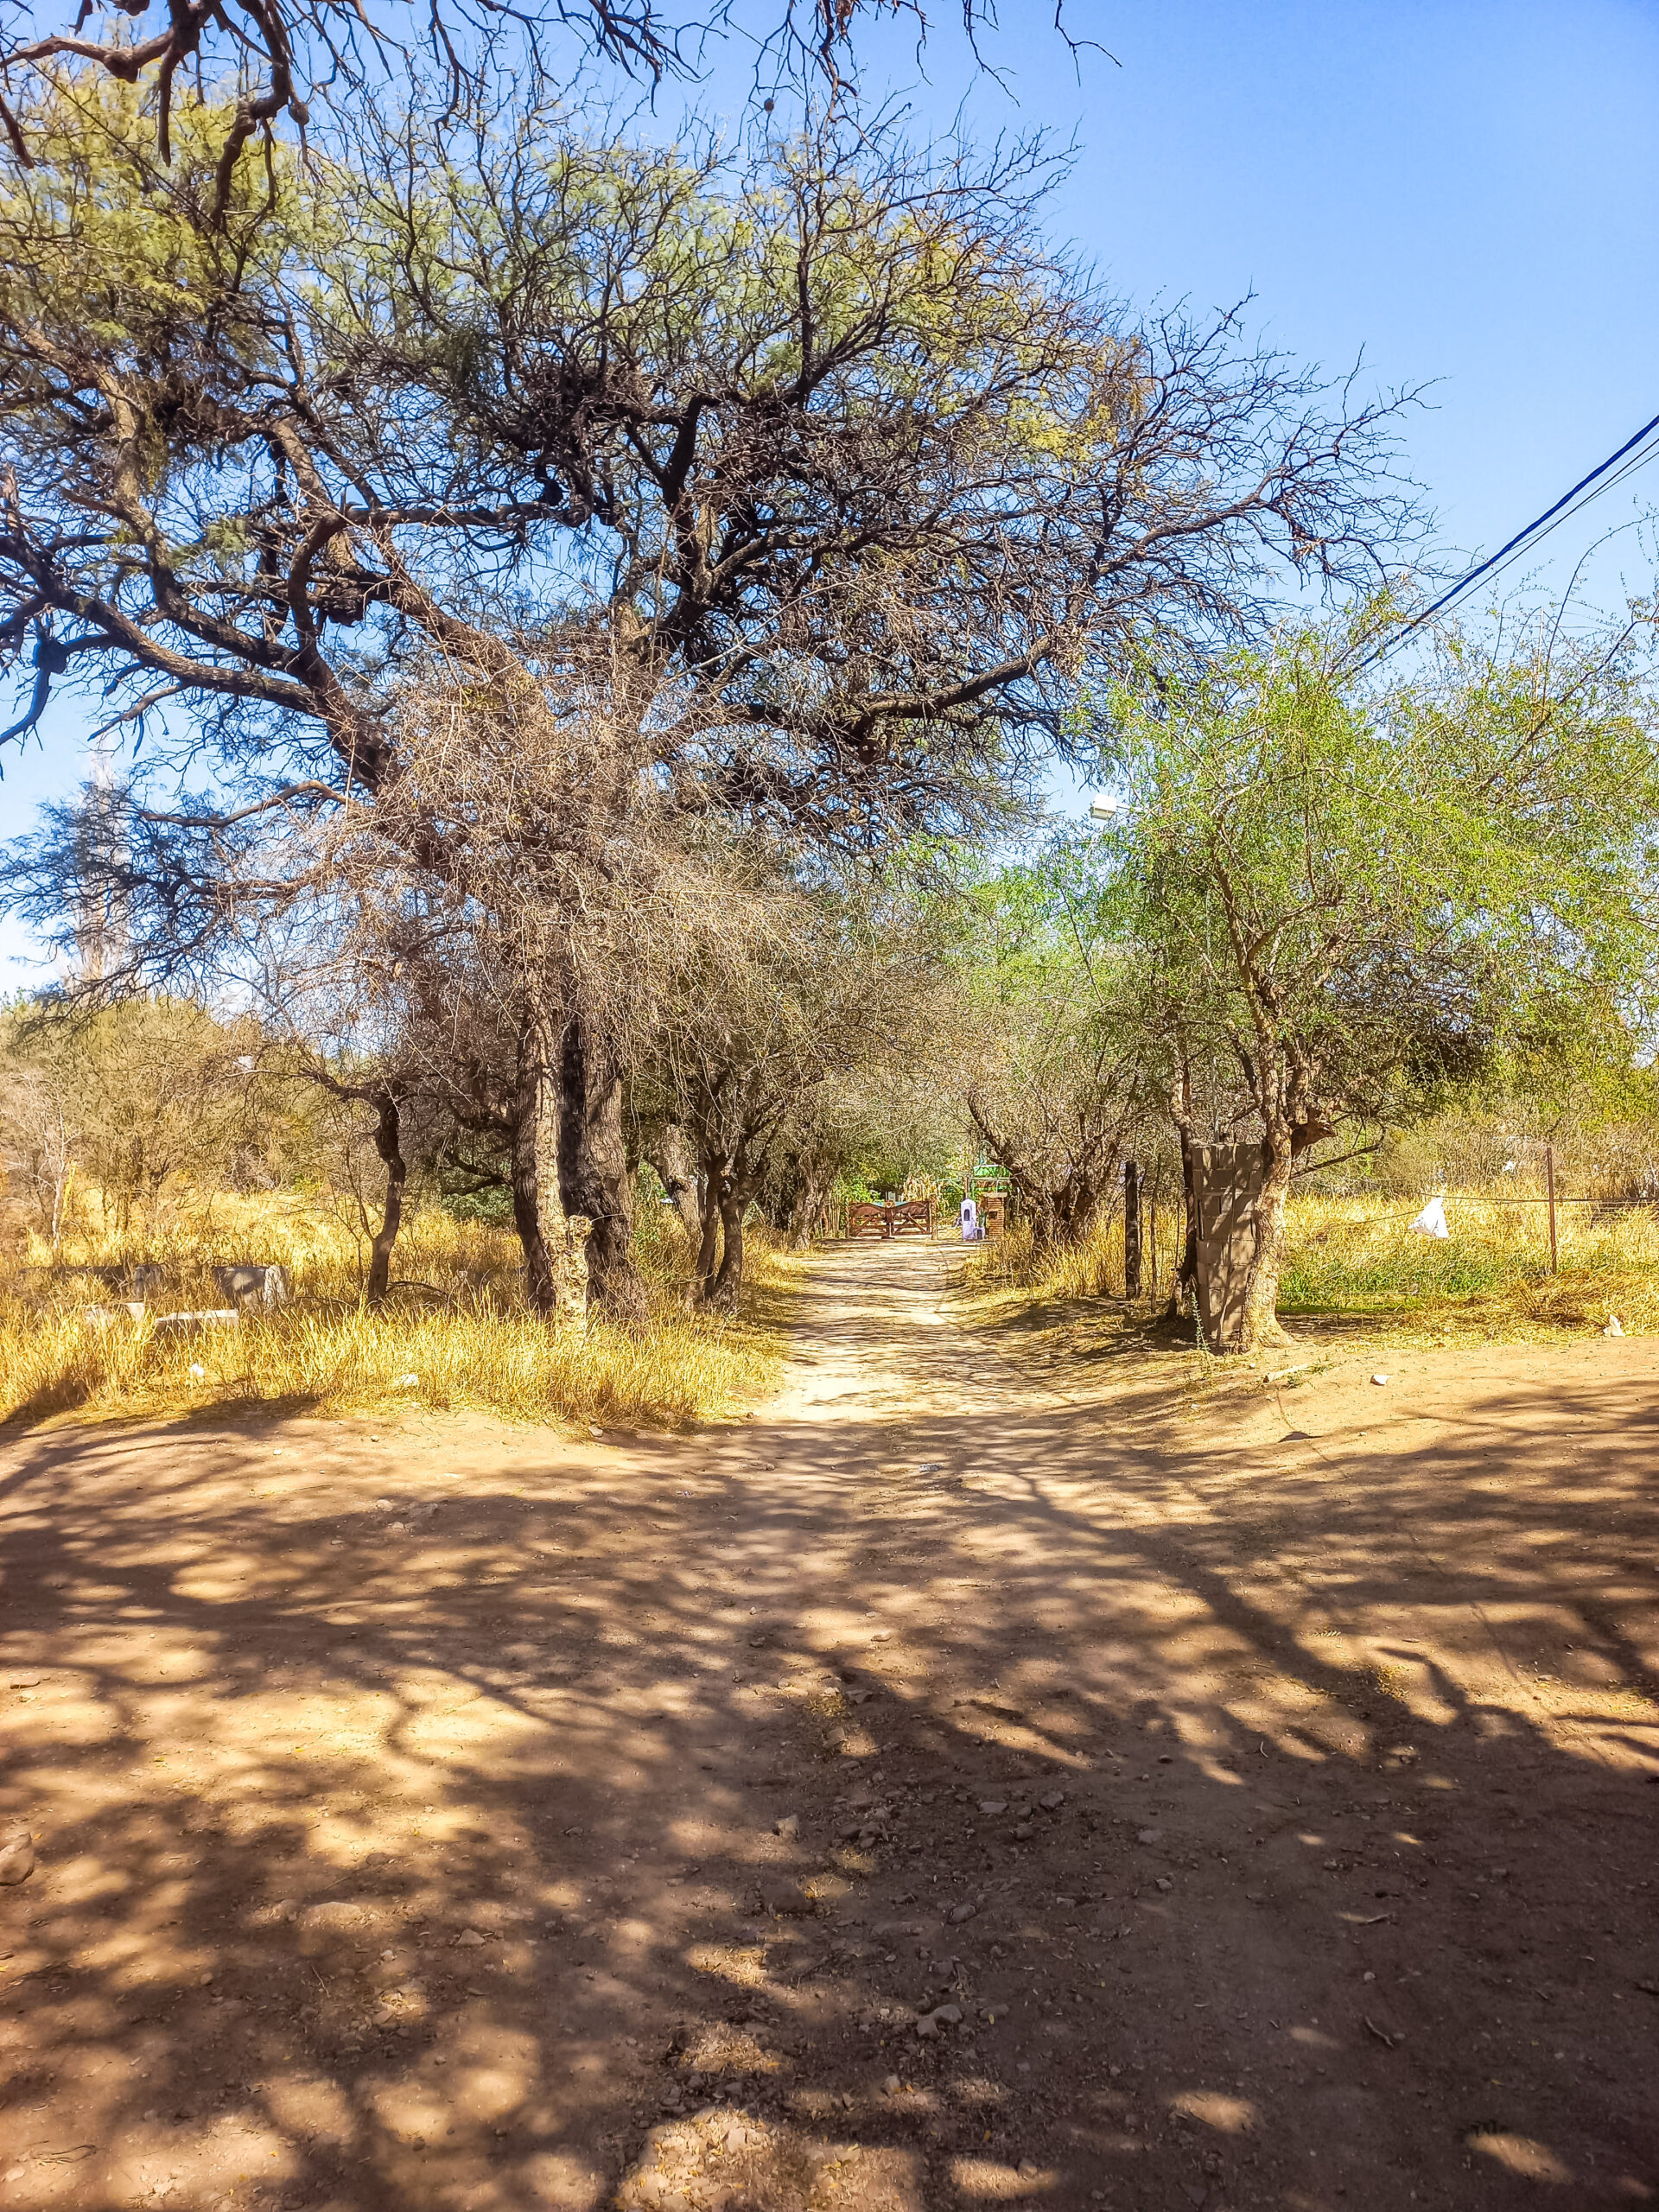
[
  {"x": 1379, "y": 1380},
  {"x": 470, "y": 1940},
  {"x": 1029, "y": 2166},
  {"x": 1164, "y": 1882},
  {"x": 993, "y": 1805},
  {"x": 17, "y": 1857},
  {"x": 950, "y": 2014},
  {"x": 788, "y": 1901},
  {"x": 1150, "y": 1835},
  {"x": 960, "y": 1912},
  {"x": 789, "y": 1826},
  {"x": 927, "y": 2025},
  {"x": 892, "y": 2085},
  {"x": 1022, "y": 1831},
  {"x": 1615, "y": 1327},
  {"x": 1052, "y": 1800}
]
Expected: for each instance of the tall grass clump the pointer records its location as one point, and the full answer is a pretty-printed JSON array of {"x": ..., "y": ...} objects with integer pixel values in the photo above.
[
  {"x": 454, "y": 1336},
  {"x": 1092, "y": 1268},
  {"x": 1356, "y": 1255}
]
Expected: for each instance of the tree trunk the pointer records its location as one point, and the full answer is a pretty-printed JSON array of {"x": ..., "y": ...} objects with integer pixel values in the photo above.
[
  {"x": 734, "y": 1204},
  {"x": 537, "y": 1213},
  {"x": 809, "y": 1205},
  {"x": 1261, "y": 1323},
  {"x": 1184, "y": 1287},
  {"x": 388, "y": 1144},
  {"x": 702, "y": 1279},
  {"x": 1131, "y": 1229},
  {"x": 1241, "y": 1187},
  {"x": 670, "y": 1154},
  {"x": 593, "y": 1170}
]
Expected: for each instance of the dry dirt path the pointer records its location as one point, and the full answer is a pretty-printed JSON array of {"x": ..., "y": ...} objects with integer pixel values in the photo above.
[{"x": 442, "y": 1816}]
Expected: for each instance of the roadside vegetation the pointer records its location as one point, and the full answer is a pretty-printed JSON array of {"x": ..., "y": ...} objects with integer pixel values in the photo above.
[
  {"x": 455, "y": 1337},
  {"x": 578, "y": 631},
  {"x": 1353, "y": 1259}
]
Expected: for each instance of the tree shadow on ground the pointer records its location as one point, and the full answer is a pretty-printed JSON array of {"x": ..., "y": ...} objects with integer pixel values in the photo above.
[{"x": 1272, "y": 1817}]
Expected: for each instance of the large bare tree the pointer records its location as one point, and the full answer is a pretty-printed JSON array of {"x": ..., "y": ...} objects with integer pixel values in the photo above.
[{"x": 803, "y": 487}]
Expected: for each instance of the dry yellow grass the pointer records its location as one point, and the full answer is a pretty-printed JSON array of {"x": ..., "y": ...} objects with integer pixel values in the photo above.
[
  {"x": 457, "y": 1336},
  {"x": 1491, "y": 1277},
  {"x": 1090, "y": 1269},
  {"x": 1357, "y": 1256}
]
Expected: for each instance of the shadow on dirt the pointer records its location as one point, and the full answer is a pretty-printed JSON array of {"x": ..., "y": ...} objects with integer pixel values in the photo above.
[{"x": 436, "y": 1850}]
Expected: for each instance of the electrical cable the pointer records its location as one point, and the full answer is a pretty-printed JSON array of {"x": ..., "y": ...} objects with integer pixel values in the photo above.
[{"x": 1539, "y": 527}]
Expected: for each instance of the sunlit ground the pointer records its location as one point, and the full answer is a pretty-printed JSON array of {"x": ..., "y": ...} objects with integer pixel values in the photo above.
[{"x": 437, "y": 1815}]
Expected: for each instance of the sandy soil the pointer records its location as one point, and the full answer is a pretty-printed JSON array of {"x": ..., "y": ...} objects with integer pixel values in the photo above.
[{"x": 447, "y": 1816}]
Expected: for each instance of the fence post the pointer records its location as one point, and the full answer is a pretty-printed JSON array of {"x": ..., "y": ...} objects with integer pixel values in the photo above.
[
  {"x": 1132, "y": 1228},
  {"x": 1549, "y": 1180}
]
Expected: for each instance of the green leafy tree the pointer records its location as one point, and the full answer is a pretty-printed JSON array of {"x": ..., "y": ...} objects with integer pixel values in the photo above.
[
  {"x": 1051, "y": 1064},
  {"x": 1338, "y": 896},
  {"x": 149, "y": 1098}
]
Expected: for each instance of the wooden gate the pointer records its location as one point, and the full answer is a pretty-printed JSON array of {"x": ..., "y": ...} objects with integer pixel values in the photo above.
[{"x": 908, "y": 1217}]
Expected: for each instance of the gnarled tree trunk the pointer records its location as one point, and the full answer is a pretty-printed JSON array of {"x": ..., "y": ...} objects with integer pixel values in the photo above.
[
  {"x": 728, "y": 1193},
  {"x": 714, "y": 1173},
  {"x": 736, "y": 1195},
  {"x": 543, "y": 1234},
  {"x": 807, "y": 1211},
  {"x": 1287, "y": 1139},
  {"x": 668, "y": 1152},
  {"x": 594, "y": 1168},
  {"x": 1259, "y": 1322},
  {"x": 389, "y": 1144}
]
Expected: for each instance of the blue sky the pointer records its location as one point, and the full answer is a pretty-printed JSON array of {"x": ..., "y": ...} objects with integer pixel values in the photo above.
[{"x": 1467, "y": 194}]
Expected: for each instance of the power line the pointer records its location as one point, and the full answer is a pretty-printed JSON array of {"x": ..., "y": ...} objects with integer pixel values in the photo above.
[{"x": 1539, "y": 527}]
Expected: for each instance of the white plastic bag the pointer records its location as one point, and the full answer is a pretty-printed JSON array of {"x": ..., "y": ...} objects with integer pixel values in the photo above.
[{"x": 1432, "y": 1220}]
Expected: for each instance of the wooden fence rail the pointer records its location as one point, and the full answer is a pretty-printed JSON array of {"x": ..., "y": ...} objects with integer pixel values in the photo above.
[{"x": 909, "y": 1218}]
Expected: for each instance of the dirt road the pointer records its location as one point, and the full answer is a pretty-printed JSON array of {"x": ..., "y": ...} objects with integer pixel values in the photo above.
[{"x": 945, "y": 1788}]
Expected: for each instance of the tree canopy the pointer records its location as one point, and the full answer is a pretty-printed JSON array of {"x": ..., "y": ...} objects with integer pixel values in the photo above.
[{"x": 1328, "y": 896}]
